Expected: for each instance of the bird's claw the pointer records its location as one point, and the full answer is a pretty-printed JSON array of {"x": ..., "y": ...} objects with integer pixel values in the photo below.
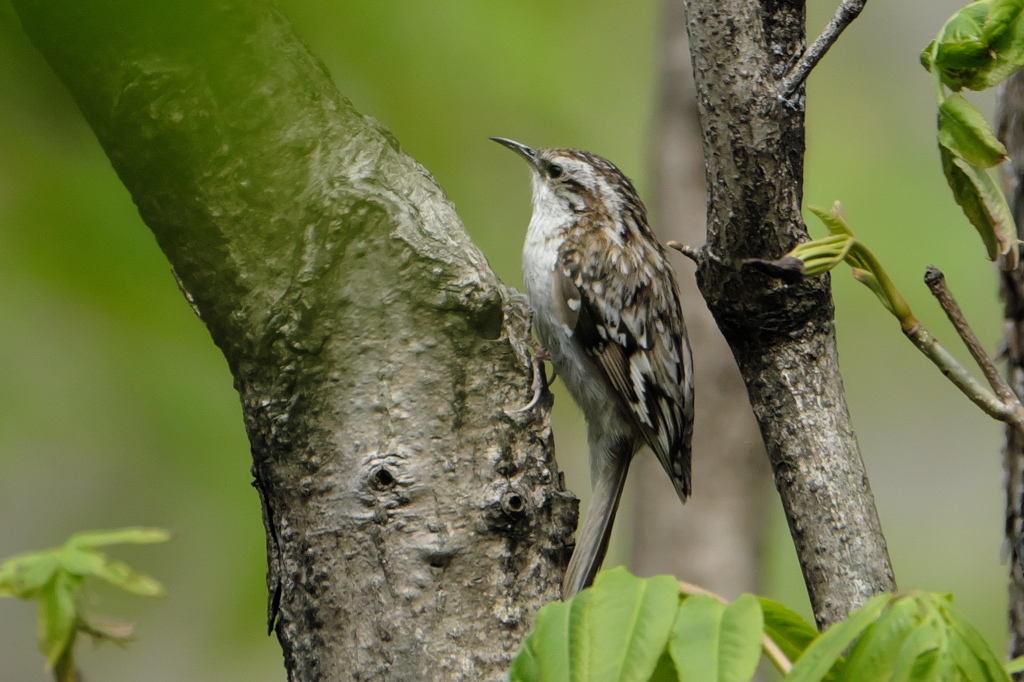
[{"x": 540, "y": 379}]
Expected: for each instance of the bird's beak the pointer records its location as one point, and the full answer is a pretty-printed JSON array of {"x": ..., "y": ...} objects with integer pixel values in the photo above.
[{"x": 528, "y": 153}]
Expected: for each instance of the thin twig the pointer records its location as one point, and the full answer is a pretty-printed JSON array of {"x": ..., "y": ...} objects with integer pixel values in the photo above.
[
  {"x": 847, "y": 11},
  {"x": 988, "y": 401},
  {"x": 771, "y": 649},
  {"x": 687, "y": 251},
  {"x": 936, "y": 282}
]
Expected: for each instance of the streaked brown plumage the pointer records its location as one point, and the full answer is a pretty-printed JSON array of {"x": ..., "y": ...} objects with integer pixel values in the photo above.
[{"x": 606, "y": 308}]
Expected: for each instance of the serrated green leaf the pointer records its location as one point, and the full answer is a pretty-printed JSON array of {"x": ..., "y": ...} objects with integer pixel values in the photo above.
[
  {"x": 966, "y": 133},
  {"x": 119, "y": 574},
  {"x": 57, "y": 616},
  {"x": 133, "y": 536},
  {"x": 24, "y": 575},
  {"x": 875, "y": 653},
  {"x": 716, "y": 642},
  {"x": 695, "y": 638},
  {"x": 834, "y": 220},
  {"x": 919, "y": 656},
  {"x": 740, "y": 643},
  {"x": 960, "y": 42},
  {"x": 1002, "y": 29},
  {"x": 544, "y": 656},
  {"x": 618, "y": 633},
  {"x": 974, "y": 643},
  {"x": 826, "y": 650},
  {"x": 786, "y": 628},
  {"x": 982, "y": 202},
  {"x": 79, "y": 562},
  {"x": 980, "y": 46}
]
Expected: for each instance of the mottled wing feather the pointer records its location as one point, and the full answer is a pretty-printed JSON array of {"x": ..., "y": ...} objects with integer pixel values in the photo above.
[{"x": 635, "y": 336}]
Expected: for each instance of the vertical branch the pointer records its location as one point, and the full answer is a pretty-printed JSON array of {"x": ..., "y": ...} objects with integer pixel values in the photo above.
[
  {"x": 414, "y": 522},
  {"x": 1010, "y": 125},
  {"x": 782, "y": 335}
]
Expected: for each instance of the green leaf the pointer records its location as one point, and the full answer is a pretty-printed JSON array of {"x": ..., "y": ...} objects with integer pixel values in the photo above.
[
  {"x": 80, "y": 563},
  {"x": 1002, "y": 29},
  {"x": 119, "y": 574},
  {"x": 132, "y": 536},
  {"x": 960, "y": 43},
  {"x": 544, "y": 656},
  {"x": 966, "y": 133},
  {"x": 619, "y": 631},
  {"x": 834, "y": 220},
  {"x": 827, "y": 650},
  {"x": 980, "y": 46},
  {"x": 24, "y": 575},
  {"x": 1015, "y": 666},
  {"x": 786, "y": 628},
  {"x": 868, "y": 279},
  {"x": 875, "y": 653},
  {"x": 665, "y": 671},
  {"x": 718, "y": 643},
  {"x": 615, "y": 631},
  {"x": 982, "y": 202},
  {"x": 695, "y": 638},
  {"x": 919, "y": 657},
  {"x": 740, "y": 644},
  {"x": 821, "y": 255},
  {"x": 974, "y": 653},
  {"x": 57, "y": 617}
]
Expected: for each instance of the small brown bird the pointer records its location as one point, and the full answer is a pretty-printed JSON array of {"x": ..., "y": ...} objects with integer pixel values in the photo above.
[{"x": 606, "y": 308}]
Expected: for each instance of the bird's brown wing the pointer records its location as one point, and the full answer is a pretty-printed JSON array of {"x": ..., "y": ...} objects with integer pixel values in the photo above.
[{"x": 636, "y": 337}]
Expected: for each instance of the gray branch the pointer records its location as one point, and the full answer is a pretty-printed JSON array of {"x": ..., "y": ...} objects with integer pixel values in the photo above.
[
  {"x": 415, "y": 522},
  {"x": 1010, "y": 125},
  {"x": 847, "y": 11},
  {"x": 782, "y": 335}
]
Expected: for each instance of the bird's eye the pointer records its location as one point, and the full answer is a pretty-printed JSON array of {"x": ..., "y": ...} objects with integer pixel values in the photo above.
[{"x": 555, "y": 171}]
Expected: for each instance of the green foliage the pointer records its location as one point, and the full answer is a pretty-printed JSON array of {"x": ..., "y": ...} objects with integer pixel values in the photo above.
[
  {"x": 715, "y": 641},
  {"x": 55, "y": 578},
  {"x": 629, "y": 628},
  {"x": 978, "y": 48},
  {"x": 821, "y": 255}
]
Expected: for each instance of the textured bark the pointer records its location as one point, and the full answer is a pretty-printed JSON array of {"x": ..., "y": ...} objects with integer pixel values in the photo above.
[
  {"x": 716, "y": 538},
  {"x": 1010, "y": 124},
  {"x": 413, "y": 526},
  {"x": 782, "y": 335}
]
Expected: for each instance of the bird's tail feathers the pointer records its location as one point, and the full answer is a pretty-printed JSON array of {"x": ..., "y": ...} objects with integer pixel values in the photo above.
[{"x": 592, "y": 539}]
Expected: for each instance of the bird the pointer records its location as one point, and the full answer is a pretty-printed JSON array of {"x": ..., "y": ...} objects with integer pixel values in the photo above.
[{"x": 606, "y": 310}]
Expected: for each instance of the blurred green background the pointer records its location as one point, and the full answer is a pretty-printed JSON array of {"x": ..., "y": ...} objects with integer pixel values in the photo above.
[{"x": 116, "y": 409}]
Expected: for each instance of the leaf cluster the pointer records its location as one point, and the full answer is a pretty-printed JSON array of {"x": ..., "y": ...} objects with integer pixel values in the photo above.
[
  {"x": 631, "y": 629},
  {"x": 978, "y": 48},
  {"x": 54, "y": 578}
]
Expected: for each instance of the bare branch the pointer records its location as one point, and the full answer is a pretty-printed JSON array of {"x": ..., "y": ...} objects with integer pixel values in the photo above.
[
  {"x": 936, "y": 282},
  {"x": 844, "y": 16},
  {"x": 688, "y": 251},
  {"x": 781, "y": 334}
]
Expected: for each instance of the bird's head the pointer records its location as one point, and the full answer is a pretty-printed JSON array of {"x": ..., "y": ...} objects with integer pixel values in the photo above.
[{"x": 572, "y": 178}]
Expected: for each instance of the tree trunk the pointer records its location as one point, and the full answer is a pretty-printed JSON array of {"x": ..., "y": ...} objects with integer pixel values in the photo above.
[
  {"x": 415, "y": 522},
  {"x": 782, "y": 335},
  {"x": 1010, "y": 125},
  {"x": 715, "y": 540}
]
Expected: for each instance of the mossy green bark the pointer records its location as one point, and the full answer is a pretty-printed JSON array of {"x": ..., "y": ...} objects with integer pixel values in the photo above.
[{"x": 415, "y": 522}]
